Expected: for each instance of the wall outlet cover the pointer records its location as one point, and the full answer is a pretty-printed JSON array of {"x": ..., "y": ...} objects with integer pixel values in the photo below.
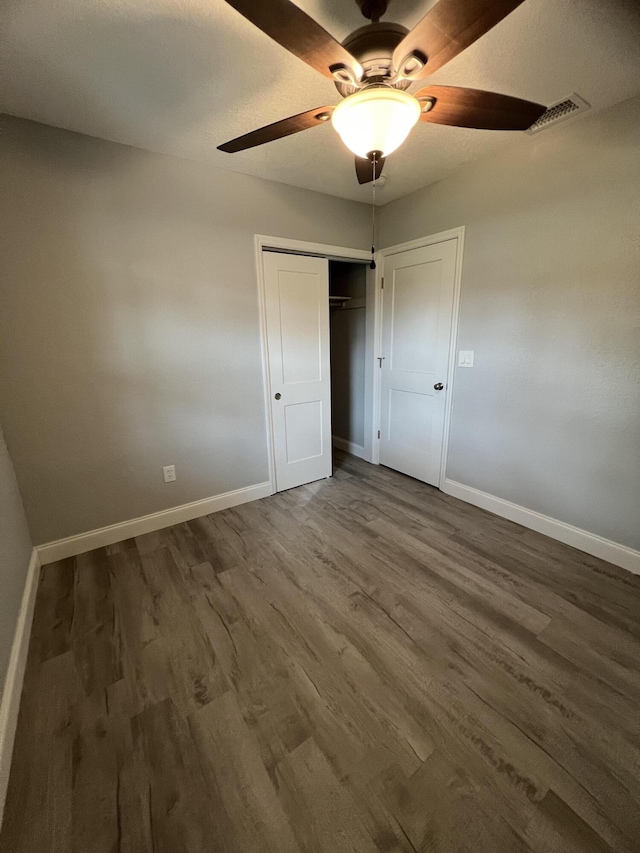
[{"x": 169, "y": 473}]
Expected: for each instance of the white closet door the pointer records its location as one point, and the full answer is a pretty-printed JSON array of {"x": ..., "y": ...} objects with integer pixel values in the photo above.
[
  {"x": 416, "y": 328},
  {"x": 297, "y": 312}
]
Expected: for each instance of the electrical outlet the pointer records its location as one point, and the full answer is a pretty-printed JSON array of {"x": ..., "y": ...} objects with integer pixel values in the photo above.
[
  {"x": 169, "y": 472},
  {"x": 465, "y": 358}
]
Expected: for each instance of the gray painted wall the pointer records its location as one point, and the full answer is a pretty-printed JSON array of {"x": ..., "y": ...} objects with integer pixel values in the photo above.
[
  {"x": 549, "y": 417},
  {"x": 348, "y": 351},
  {"x": 129, "y": 336},
  {"x": 15, "y": 553},
  {"x": 129, "y": 324}
]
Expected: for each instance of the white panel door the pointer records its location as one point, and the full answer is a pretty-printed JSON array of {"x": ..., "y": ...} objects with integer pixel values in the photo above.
[
  {"x": 297, "y": 312},
  {"x": 417, "y": 307}
]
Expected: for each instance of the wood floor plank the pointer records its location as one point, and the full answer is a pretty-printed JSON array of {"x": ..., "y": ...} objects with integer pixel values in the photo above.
[
  {"x": 322, "y": 812},
  {"x": 557, "y": 827},
  {"x": 54, "y": 611},
  {"x": 579, "y": 583},
  {"x": 446, "y": 808},
  {"x": 349, "y": 708},
  {"x": 359, "y": 664},
  {"x": 38, "y": 812},
  {"x": 231, "y": 764},
  {"x": 277, "y": 721},
  {"x": 615, "y": 666},
  {"x": 184, "y": 812},
  {"x": 216, "y": 553},
  {"x": 133, "y": 816},
  {"x": 138, "y": 628},
  {"x": 187, "y": 659},
  {"x": 443, "y": 714},
  {"x": 94, "y": 639},
  {"x": 96, "y": 796},
  {"x": 582, "y": 772}
]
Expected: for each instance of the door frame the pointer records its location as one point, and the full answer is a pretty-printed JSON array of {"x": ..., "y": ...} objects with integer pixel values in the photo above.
[
  {"x": 456, "y": 234},
  {"x": 263, "y": 242}
]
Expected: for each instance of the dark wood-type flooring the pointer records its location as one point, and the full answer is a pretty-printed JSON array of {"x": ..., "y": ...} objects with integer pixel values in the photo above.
[{"x": 361, "y": 664}]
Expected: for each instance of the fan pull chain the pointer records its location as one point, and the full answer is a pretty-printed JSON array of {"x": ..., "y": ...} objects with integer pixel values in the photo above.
[{"x": 372, "y": 265}]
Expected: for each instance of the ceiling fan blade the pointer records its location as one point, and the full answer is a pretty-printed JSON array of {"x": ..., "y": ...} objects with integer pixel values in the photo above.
[
  {"x": 296, "y": 31},
  {"x": 285, "y": 127},
  {"x": 364, "y": 169},
  {"x": 447, "y": 29},
  {"x": 474, "y": 108}
]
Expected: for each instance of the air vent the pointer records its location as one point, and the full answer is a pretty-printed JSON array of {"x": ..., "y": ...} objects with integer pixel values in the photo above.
[{"x": 560, "y": 111}]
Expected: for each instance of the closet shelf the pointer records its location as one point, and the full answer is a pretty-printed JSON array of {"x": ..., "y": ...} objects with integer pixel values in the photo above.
[{"x": 346, "y": 303}]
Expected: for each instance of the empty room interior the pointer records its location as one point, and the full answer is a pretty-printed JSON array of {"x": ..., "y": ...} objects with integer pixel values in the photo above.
[{"x": 320, "y": 426}]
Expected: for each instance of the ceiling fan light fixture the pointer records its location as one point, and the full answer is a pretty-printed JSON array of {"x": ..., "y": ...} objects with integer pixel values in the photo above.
[{"x": 376, "y": 119}]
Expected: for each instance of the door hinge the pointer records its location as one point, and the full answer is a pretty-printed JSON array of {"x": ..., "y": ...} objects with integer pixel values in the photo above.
[
  {"x": 378, "y": 433},
  {"x": 382, "y": 287}
]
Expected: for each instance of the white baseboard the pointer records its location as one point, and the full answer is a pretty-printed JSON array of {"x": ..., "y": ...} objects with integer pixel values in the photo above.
[
  {"x": 15, "y": 674},
  {"x": 348, "y": 446},
  {"x": 590, "y": 543},
  {"x": 73, "y": 545}
]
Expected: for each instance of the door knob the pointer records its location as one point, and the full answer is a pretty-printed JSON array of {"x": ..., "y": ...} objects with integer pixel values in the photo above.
[
  {"x": 278, "y": 396},
  {"x": 438, "y": 386}
]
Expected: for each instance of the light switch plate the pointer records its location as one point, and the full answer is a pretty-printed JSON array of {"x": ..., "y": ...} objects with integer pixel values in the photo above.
[{"x": 465, "y": 358}]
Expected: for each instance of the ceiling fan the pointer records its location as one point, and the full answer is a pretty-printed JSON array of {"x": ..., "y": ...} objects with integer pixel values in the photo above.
[{"x": 373, "y": 68}]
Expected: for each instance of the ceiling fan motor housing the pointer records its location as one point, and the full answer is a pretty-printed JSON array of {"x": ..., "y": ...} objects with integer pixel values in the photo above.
[
  {"x": 373, "y": 46},
  {"x": 372, "y": 9}
]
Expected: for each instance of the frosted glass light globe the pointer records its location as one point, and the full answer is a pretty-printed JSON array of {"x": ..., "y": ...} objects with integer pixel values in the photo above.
[{"x": 376, "y": 119}]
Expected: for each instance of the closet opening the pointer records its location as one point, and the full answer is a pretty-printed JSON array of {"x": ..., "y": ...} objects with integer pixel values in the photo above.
[{"x": 347, "y": 320}]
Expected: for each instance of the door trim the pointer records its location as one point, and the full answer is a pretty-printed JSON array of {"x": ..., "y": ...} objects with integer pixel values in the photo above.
[
  {"x": 284, "y": 244},
  {"x": 456, "y": 234}
]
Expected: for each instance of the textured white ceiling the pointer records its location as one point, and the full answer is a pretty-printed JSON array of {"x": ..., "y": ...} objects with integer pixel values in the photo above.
[{"x": 182, "y": 76}]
